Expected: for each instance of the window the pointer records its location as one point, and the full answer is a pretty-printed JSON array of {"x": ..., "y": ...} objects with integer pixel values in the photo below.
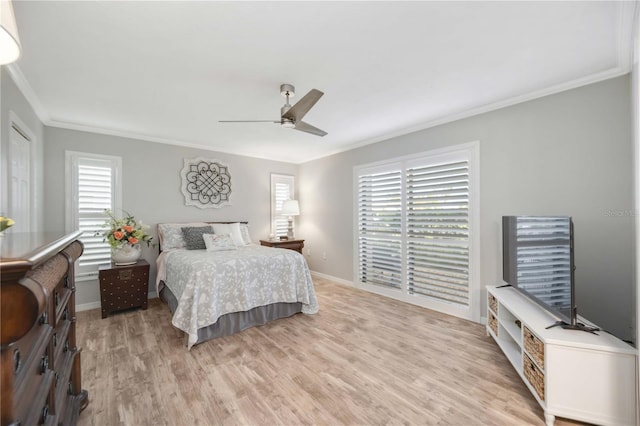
[
  {"x": 416, "y": 230},
  {"x": 282, "y": 189},
  {"x": 93, "y": 185}
]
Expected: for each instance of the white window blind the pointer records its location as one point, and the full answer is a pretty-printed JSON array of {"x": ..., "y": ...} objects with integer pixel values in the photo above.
[
  {"x": 415, "y": 219},
  {"x": 282, "y": 189},
  {"x": 380, "y": 227},
  {"x": 93, "y": 186}
]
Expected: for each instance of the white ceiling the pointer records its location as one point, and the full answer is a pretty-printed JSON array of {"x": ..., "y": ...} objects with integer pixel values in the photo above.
[{"x": 168, "y": 71}]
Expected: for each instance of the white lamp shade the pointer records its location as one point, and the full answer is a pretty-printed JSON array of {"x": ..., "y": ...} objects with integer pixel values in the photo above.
[
  {"x": 291, "y": 208},
  {"x": 9, "y": 40}
]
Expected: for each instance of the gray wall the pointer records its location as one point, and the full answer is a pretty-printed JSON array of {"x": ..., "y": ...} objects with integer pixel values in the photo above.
[
  {"x": 13, "y": 100},
  {"x": 151, "y": 186},
  {"x": 565, "y": 154}
]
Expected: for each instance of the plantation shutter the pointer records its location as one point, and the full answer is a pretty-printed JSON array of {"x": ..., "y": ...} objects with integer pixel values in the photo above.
[
  {"x": 282, "y": 189},
  {"x": 416, "y": 219},
  {"x": 380, "y": 227},
  {"x": 438, "y": 231},
  {"x": 93, "y": 189}
]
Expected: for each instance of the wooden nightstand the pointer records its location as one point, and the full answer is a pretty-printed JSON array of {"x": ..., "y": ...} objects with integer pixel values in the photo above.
[
  {"x": 294, "y": 244},
  {"x": 123, "y": 287}
]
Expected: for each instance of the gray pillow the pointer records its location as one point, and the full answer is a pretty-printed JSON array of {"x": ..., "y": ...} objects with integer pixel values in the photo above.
[{"x": 193, "y": 236}]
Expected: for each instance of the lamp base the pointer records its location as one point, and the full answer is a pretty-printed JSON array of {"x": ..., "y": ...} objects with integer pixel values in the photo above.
[{"x": 290, "y": 229}]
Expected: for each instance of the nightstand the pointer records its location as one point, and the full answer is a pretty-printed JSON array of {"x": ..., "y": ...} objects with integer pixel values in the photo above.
[
  {"x": 294, "y": 244},
  {"x": 123, "y": 287}
]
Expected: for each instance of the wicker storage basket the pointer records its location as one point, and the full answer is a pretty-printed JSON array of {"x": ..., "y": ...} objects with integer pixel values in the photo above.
[
  {"x": 493, "y": 303},
  {"x": 534, "y": 375},
  {"x": 534, "y": 347},
  {"x": 493, "y": 323}
]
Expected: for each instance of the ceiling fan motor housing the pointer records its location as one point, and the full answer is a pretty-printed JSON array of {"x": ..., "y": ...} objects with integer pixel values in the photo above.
[{"x": 287, "y": 90}]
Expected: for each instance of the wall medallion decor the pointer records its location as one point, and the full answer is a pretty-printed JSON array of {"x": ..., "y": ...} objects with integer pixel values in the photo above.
[{"x": 206, "y": 183}]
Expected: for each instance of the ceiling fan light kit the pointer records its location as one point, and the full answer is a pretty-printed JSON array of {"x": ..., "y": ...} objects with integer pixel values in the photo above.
[{"x": 291, "y": 116}]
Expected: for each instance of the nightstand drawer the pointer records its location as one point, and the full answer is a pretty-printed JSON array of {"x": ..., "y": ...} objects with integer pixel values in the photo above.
[{"x": 124, "y": 287}]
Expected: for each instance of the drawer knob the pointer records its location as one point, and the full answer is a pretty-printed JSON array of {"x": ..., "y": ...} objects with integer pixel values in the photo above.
[
  {"x": 17, "y": 361},
  {"x": 45, "y": 413},
  {"x": 44, "y": 364}
]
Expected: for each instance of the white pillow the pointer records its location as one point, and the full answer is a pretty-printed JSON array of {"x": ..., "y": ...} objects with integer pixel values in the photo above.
[
  {"x": 232, "y": 229},
  {"x": 244, "y": 230},
  {"x": 218, "y": 242},
  {"x": 170, "y": 234}
]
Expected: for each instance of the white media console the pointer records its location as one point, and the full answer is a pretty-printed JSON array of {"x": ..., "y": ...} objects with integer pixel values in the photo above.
[{"x": 572, "y": 374}]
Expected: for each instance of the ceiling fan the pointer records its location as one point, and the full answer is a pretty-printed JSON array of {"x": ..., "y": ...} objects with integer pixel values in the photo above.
[{"x": 291, "y": 116}]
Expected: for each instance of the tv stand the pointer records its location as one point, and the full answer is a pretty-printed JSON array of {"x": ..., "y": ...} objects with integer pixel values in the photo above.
[
  {"x": 577, "y": 327},
  {"x": 587, "y": 377}
]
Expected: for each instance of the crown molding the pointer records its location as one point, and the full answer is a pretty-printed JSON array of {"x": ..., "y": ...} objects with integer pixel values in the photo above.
[
  {"x": 584, "y": 81},
  {"x": 147, "y": 138},
  {"x": 27, "y": 91}
]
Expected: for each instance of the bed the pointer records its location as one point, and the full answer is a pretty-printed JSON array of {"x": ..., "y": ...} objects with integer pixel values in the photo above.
[{"x": 220, "y": 289}]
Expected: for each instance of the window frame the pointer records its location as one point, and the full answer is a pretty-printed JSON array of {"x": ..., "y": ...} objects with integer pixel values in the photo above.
[
  {"x": 471, "y": 150},
  {"x": 73, "y": 160}
]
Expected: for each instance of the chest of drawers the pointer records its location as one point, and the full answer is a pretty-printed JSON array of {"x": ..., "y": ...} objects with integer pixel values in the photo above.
[
  {"x": 124, "y": 287},
  {"x": 40, "y": 362}
]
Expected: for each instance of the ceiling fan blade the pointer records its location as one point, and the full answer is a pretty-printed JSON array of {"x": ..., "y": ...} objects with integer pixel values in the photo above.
[
  {"x": 305, "y": 127},
  {"x": 248, "y": 121},
  {"x": 302, "y": 107}
]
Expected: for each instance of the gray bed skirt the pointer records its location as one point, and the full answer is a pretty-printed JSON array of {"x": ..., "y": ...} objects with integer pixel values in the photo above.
[{"x": 235, "y": 322}]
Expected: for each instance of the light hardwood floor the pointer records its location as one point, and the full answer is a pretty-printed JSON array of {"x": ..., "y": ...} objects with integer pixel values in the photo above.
[{"x": 362, "y": 360}]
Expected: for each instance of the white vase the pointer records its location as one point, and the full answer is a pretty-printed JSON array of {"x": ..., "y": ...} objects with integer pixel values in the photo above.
[{"x": 126, "y": 254}]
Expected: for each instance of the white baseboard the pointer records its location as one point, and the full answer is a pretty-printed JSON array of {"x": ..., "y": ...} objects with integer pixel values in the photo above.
[
  {"x": 87, "y": 306},
  {"x": 332, "y": 278},
  {"x": 96, "y": 305},
  {"x": 483, "y": 320}
]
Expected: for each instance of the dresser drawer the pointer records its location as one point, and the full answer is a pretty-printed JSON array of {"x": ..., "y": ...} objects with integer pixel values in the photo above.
[
  {"x": 63, "y": 384},
  {"x": 39, "y": 411},
  {"x": 32, "y": 368},
  {"x": 61, "y": 343}
]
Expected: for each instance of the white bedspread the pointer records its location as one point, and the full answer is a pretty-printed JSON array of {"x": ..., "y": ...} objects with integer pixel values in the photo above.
[{"x": 211, "y": 284}]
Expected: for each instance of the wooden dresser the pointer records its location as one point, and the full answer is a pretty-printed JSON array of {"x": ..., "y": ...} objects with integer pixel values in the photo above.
[{"x": 40, "y": 362}]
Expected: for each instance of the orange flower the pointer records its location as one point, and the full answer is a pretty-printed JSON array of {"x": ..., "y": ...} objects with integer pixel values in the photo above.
[
  {"x": 127, "y": 228},
  {"x": 118, "y": 235},
  {"x": 133, "y": 240}
]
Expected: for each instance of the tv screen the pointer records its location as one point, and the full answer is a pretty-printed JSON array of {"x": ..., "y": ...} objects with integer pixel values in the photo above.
[{"x": 538, "y": 261}]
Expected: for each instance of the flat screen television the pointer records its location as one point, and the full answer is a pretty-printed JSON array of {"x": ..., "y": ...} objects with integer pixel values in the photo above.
[{"x": 538, "y": 261}]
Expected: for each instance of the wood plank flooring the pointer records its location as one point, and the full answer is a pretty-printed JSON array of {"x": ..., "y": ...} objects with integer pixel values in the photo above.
[{"x": 362, "y": 360}]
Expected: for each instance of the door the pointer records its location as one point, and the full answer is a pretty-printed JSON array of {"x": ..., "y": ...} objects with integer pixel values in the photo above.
[{"x": 19, "y": 208}]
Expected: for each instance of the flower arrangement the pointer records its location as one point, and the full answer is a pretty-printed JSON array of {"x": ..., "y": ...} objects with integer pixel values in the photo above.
[
  {"x": 124, "y": 231},
  {"x": 6, "y": 222}
]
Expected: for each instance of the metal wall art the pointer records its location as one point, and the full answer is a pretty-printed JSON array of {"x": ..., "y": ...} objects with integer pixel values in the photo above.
[{"x": 206, "y": 183}]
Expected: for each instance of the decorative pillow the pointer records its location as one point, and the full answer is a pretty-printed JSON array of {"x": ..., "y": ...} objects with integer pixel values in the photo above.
[
  {"x": 244, "y": 230},
  {"x": 232, "y": 229},
  {"x": 218, "y": 242},
  {"x": 170, "y": 234},
  {"x": 193, "y": 236}
]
